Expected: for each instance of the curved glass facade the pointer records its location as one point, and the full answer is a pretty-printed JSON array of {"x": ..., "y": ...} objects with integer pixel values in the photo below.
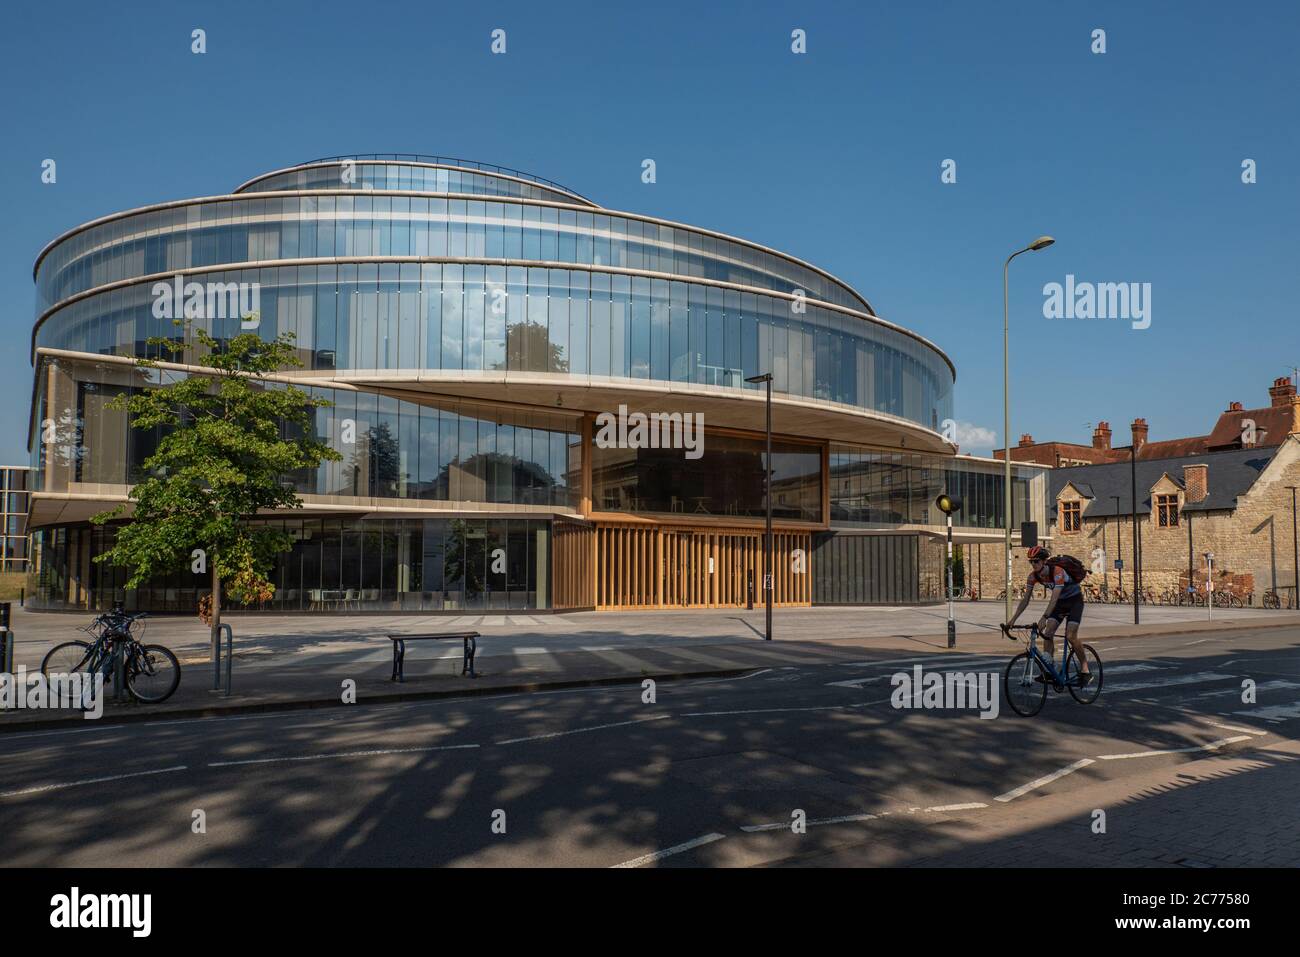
[
  {"x": 253, "y": 228},
  {"x": 408, "y": 159},
  {"x": 428, "y": 274},
  {"x": 395, "y": 177},
  {"x": 429, "y": 316}
]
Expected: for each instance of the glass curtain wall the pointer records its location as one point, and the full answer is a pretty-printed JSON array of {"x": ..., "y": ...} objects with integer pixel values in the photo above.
[{"x": 335, "y": 565}]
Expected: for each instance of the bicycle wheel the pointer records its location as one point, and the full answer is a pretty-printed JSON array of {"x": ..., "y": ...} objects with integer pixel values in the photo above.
[
  {"x": 1025, "y": 694},
  {"x": 66, "y": 659},
  {"x": 1089, "y": 694},
  {"x": 154, "y": 674}
]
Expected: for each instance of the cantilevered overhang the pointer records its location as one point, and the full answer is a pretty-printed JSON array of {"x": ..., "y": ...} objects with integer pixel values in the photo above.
[{"x": 722, "y": 407}]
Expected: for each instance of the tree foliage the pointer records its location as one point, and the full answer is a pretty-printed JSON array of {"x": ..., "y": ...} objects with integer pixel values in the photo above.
[{"x": 231, "y": 439}]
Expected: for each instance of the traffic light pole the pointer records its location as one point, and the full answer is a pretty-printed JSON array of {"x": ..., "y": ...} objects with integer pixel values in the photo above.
[
  {"x": 948, "y": 504},
  {"x": 952, "y": 625}
]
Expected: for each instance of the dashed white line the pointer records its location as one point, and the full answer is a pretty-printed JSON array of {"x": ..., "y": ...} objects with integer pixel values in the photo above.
[
  {"x": 1045, "y": 779},
  {"x": 668, "y": 852},
  {"x": 1230, "y": 727},
  {"x": 1212, "y": 746},
  {"x": 599, "y": 727},
  {"x": 75, "y": 784},
  {"x": 340, "y": 754}
]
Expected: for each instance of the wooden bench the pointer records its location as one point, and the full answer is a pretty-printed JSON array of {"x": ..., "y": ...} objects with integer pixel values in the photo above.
[{"x": 470, "y": 638}]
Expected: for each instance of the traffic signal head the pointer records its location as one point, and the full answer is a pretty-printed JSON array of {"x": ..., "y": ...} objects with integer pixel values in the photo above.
[{"x": 948, "y": 504}]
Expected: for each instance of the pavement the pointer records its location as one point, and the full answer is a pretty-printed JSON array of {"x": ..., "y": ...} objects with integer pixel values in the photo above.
[
  {"x": 296, "y": 661},
  {"x": 1189, "y": 758}
]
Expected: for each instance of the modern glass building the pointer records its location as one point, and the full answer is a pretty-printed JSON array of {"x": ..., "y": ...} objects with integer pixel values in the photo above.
[{"x": 470, "y": 324}]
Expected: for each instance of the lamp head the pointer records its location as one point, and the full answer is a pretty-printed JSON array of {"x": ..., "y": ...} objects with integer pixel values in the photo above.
[{"x": 1042, "y": 242}]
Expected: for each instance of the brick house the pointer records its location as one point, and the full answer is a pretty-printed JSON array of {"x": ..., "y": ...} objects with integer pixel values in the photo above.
[
  {"x": 1235, "y": 428},
  {"x": 1235, "y": 503}
]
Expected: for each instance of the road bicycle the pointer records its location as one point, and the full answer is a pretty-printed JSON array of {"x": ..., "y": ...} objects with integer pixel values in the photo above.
[
  {"x": 1272, "y": 599},
  {"x": 1227, "y": 599},
  {"x": 151, "y": 672},
  {"x": 1030, "y": 673}
]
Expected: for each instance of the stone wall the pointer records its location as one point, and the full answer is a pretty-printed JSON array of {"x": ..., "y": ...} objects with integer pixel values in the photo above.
[{"x": 1252, "y": 544}]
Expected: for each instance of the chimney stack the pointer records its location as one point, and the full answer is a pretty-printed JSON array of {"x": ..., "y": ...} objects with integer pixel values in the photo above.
[
  {"x": 1282, "y": 392},
  {"x": 1234, "y": 406},
  {"x": 1026, "y": 440},
  {"x": 1139, "y": 434},
  {"x": 1101, "y": 436},
  {"x": 1196, "y": 481}
]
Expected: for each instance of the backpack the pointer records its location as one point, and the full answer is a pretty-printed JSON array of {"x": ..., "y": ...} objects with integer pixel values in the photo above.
[{"x": 1071, "y": 565}]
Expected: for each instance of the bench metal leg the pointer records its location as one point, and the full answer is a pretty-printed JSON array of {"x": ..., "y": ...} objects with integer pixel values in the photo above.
[
  {"x": 399, "y": 660},
  {"x": 471, "y": 647}
]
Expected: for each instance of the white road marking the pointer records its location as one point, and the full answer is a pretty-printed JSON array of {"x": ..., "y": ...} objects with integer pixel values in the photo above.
[
  {"x": 1274, "y": 713},
  {"x": 1229, "y": 727},
  {"x": 660, "y": 855},
  {"x": 1168, "y": 682},
  {"x": 339, "y": 754},
  {"x": 829, "y": 707},
  {"x": 856, "y": 818},
  {"x": 785, "y": 825},
  {"x": 1277, "y": 685},
  {"x": 599, "y": 727},
  {"x": 1125, "y": 669},
  {"x": 1212, "y": 746},
  {"x": 75, "y": 784},
  {"x": 1045, "y": 779},
  {"x": 974, "y": 663},
  {"x": 714, "y": 681}
]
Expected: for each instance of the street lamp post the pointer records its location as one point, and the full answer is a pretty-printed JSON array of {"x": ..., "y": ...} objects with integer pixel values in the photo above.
[
  {"x": 1295, "y": 554},
  {"x": 1209, "y": 586},
  {"x": 766, "y": 378},
  {"x": 1137, "y": 533},
  {"x": 1119, "y": 545},
  {"x": 1042, "y": 242}
]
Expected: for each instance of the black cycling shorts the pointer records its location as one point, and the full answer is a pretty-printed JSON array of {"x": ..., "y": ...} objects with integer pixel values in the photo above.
[{"x": 1068, "y": 609}]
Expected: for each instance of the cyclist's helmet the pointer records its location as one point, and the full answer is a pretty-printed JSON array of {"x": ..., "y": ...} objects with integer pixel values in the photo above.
[{"x": 1038, "y": 554}]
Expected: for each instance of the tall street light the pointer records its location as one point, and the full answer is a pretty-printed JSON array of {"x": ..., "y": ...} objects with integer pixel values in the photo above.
[
  {"x": 1295, "y": 554},
  {"x": 766, "y": 378},
  {"x": 1042, "y": 242}
]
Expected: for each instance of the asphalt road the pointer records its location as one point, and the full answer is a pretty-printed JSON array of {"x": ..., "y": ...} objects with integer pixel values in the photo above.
[{"x": 711, "y": 773}]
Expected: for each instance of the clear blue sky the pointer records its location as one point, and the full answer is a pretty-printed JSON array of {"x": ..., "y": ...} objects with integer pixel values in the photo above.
[{"x": 1131, "y": 159}]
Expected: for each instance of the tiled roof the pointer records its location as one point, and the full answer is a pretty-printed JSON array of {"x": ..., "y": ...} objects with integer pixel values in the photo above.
[{"x": 1230, "y": 474}]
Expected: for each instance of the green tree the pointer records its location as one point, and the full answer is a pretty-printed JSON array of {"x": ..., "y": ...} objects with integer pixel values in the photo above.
[{"x": 223, "y": 458}]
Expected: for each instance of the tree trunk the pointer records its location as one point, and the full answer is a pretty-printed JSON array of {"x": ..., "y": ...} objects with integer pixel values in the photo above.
[{"x": 216, "y": 612}]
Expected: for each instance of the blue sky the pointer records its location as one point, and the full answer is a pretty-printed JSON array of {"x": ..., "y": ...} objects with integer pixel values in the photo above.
[{"x": 1131, "y": 159}]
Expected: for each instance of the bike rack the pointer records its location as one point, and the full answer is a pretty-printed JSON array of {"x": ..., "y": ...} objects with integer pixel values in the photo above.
[{"x": 230, "y": 657}]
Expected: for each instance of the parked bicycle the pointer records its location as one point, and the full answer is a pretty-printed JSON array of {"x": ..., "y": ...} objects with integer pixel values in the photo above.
[
  {"x": 151, "y": 672},
  {"x": 1029, "y": 673},
  {"x": 1272, "y": 599}
]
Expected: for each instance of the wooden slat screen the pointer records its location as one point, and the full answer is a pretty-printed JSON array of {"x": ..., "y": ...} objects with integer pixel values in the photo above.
[{"x": 648, "y": 566}]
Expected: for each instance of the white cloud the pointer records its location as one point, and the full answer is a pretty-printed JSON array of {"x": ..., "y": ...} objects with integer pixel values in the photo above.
[{"x": 972, "y": 438}]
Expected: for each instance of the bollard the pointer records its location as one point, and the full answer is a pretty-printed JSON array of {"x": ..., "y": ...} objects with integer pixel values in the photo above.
[
  {"x": 216, "y": 664},
  {"x": 119, "y": 674},
  {"x": 6, "y": 640},
  {"x": 230, "y": 654}
]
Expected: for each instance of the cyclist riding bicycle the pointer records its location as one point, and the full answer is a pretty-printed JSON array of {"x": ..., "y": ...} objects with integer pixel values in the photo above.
[{"x": 1064, "y": 604}]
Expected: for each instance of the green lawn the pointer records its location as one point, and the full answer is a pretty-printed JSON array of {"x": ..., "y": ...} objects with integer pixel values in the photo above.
[{"x": 10, "y": 582}]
